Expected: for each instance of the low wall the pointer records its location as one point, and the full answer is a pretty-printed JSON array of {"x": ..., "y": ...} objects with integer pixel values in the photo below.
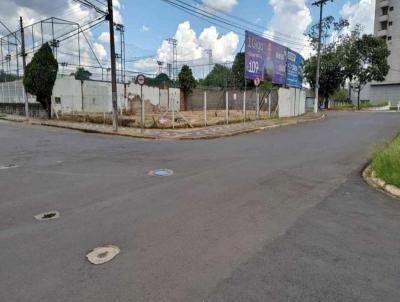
[
  {"x": 70, "y": 95},
  {"x": 292, "y": 102}
]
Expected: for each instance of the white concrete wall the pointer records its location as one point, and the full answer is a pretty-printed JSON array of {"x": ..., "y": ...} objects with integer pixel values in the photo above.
[
  {"x": 379, "y": 94},
  {"x": 292, "y": 102},
  {"x": 69, "y": 91},
  {"x": 174, "y": 99},
  {"x": 156, "y": 96},
  {"x": 90, "y": 97}
]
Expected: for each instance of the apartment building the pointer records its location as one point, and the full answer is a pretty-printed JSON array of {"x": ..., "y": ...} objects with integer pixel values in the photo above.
[{"x": 387, "y": 26}]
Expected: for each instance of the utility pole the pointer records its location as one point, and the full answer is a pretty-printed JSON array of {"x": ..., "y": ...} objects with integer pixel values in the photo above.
[
  {"x": 23, "y": 54},
  {"x": 110, "y": 18},
  {"x": 321, "y": 4},
  {"x": 174, "y": 43}
]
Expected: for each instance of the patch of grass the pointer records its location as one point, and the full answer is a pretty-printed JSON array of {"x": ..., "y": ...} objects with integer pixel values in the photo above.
[
  {"x": 386, "y": 163},
  {"x": 343, "y": 106}
]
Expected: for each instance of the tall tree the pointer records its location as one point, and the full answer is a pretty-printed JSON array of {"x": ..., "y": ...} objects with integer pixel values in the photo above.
[
  {"x": 186, "y": 80},
  {"x": 40, "y": 76},
  {"x": 159, "y": 81},
  {"x": 366, "y": 61},
  {"x": 220, "y": 76},
  {"x": 82, "y": 74},
  {"x": 332, "y": 74}
]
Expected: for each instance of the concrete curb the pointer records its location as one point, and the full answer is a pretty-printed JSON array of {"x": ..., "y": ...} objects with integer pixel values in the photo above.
[
  {"x": 252, "y": 130},
  {"x": 155, "y": 137},
  {"x": 379, "y": 184}
]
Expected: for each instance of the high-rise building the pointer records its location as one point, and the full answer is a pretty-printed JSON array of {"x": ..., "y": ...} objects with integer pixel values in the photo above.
[{"x": 387, "y": 26}]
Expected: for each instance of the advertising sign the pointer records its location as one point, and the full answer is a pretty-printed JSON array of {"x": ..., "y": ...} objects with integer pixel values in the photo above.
[
  {"x": 295, "y": 64},
  {"x": 265, "y": 59}
]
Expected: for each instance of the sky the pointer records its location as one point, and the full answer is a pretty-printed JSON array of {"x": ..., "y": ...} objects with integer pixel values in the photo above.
[{"x": 149, "y": 23}]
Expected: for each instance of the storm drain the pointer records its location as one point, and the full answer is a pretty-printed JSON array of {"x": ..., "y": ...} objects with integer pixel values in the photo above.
[
  {"x": 9, "y": 166},
  {"x": 161, "y": 172},
  {"x": 48, "y": 215},
  {"x": 103, "y": 254}
]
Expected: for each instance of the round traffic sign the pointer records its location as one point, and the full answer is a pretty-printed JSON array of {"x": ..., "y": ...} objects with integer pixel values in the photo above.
[
  {"x": 140, "y": 79},
  {"x": 257, "y": 82}
]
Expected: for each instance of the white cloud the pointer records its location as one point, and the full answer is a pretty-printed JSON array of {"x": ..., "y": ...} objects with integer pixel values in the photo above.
[
  {"x": 104, "y": 37},
  {"x": 362, "y": 12},
  {"x": 100, "y": 51},
  {"x": 192, "y": 47},
  {"x": 144, "y": 28},
  {"x": 223, "y": 48},
  {"x": 289, "y": 23},
  {"x": 222, "y": 5}
]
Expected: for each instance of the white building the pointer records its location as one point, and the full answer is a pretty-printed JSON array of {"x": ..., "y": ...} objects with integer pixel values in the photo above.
[{"x": 387, "y": 26}]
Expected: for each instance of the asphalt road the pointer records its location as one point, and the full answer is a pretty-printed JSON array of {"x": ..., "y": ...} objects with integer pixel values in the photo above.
[{"x": 281, "y": 215}]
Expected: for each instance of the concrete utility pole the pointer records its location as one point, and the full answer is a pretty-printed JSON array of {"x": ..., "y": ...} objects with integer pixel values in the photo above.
[
  {"x": 110, "y": 18},
  {"x": 23, "y": 54},
  {"x": 321, "y": 4}
]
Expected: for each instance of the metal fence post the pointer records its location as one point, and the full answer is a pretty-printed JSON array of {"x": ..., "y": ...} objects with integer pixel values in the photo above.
[
  {"x": 205, "y": 108},
  {"x": 258, "y": 104},
  {"x": 244, "y": 106},
  {"x": 227, "y": 108},
  {"x": 142, "y": 115},
  {"x": 269, "y": 105}
]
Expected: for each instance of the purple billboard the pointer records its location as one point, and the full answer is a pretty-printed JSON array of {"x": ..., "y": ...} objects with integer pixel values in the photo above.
[{"x": 265, "y": 60}]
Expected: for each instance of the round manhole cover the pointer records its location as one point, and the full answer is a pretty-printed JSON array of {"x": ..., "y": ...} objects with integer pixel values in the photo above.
[
  {"x": 103, "y": 254},
  {"x": 161, "y": 172},
  {"x": 48, "y": 215},
  {"x": 8, "y": 166}
]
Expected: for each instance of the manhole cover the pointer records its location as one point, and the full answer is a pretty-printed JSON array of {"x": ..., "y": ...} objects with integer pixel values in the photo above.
[
  {"x": 48, "y": 215},
  {"x": 103, "y": 254},
  {"x": 9, "y": 166},
  {"x": 162, "y": 172}
]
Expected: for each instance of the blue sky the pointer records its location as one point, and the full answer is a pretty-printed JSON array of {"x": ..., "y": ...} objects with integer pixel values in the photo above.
[{"x": 161, "y": 20}]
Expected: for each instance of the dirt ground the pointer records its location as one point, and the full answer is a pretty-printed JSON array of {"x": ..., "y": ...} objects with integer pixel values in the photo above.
[{"x": 164, "y": 120}]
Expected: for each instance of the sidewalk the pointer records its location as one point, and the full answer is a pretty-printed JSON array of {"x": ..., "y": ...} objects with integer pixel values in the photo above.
[{"x": 211, "y": 132}]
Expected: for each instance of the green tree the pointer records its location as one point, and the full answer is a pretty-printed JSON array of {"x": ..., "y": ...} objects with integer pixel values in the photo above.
[
  {"x": 332, "y": 75},
  {"x": 160, "y": 80},
  {"x": 40, "y": 76},
  {"x": 365, "y": 61},
  {"x": 82, "y": 74},
  {"x": 220, "y": 76},
  {"x": 329, "y": 26},
  {"x": 186, "y": 80}
]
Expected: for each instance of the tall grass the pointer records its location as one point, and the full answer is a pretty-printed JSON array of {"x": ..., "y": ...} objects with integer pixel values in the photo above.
[{"x": 386, "y": 163}]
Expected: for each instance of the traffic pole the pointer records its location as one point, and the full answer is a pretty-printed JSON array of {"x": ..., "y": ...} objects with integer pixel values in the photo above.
[
  {"x": 110, "y": 18},
  {"x": 321, "y": 4}
]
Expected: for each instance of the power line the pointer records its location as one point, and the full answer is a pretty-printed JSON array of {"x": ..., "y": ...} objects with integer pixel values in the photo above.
[
  {"x": 227, "y": 24},
  {"x": 243, "y": 21}
]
